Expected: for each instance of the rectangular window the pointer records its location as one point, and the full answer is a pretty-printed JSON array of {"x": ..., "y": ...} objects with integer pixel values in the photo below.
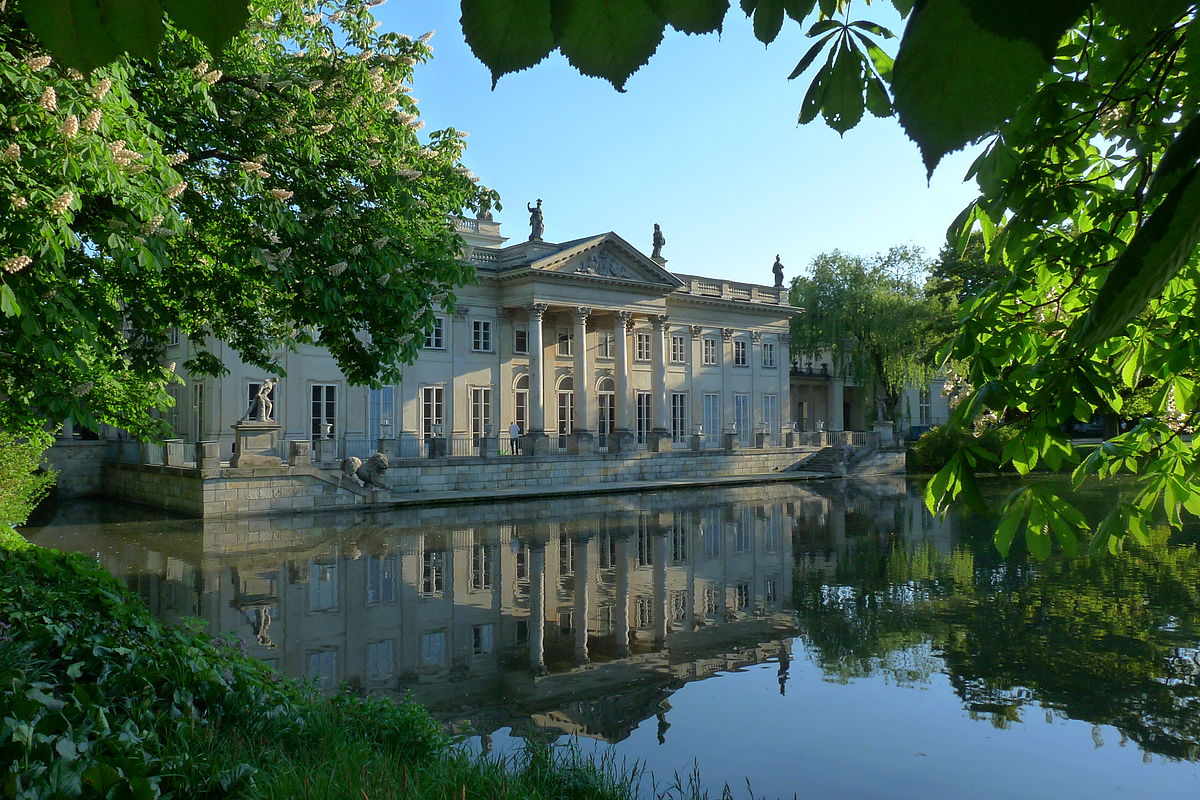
[
  {"x": 642, "y": 403},
  {"x": 481, "y": 335},
  {"x": 741, "y": 417},
  {"x": 770, "y": 593},
  {"x": 679, "y": 607},
  {"x": 322, "y": 665},
  {"x": 712, "y": 600},
  {"x": 641, "y": 346},
  {"x": 380, "y": 659},
  {"x": 380, "y": 413},
  {"x": 481, "y": 567},
  {"x": 566, "y": 556},
  {"x": 712, "y": 414},
  {"x": 739, "y": 353},
  {"x": 521, "y": 341},
  {"x": 173, "y": 337},
  {"x": 743, "y": 595},
  {"x": 521, "y": 557},
  {"x": 607, "y": 612},
  {"x": 433, "y": 649},
  {"x": 605, "y": 344},
  {"x": 483, "y": 639},
  {"x": 432, "y": 407},
  {"x": 381, "y": 579},
  {"x": 645, "y": 553},
  {"x": 678, "y": 350},
  {"x": 435, "y": 337},
  {"x": 433, "y": 572},
  {"x": 566, "y": 342},
  {"x": 710, "y": 351},
  {"x": 608, "y": 551},
  {"x": 770, "y": 410},
  {"x": 643, "y": 611},
  {"x": 323, "y": 410},
  {"x": 679, "y": 417},
  {"x": 711, "y": 533},
  {"x": 924, "y": 406},
  {"x": 768, "y": 354},
  {"x": 521, "y": 634},
  {"x": 481, "y": 410},
  {"x": 322, "y": 583},
  {"x": 198, "y": 410},
  {"x": 680, "y": 536},
  {"x": 566, "y": 621}
]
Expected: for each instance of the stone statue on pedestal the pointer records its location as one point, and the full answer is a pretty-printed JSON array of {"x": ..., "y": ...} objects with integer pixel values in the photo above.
[
  {"x": 658, "y": 242},
  {"x": 777, "y": 268},
  {"x": 261, "y": 407},
  {"x": 536, "y": 224}
]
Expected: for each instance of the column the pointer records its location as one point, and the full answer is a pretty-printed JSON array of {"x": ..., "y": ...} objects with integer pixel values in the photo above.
[
  {"x": 621, "y": 614},
  {"x": 537, "y": 605},
  {"x": 695, "y": 388},
  {"x": 660, "y": 435},
  {"x": 581, "y": 439},
  {"x": 661, "y": 611},
  {"x": 835, "y": 421},
  {"x": 535, "y": 437},
  {"x": 583, "y": 584},
  {"x": 784, "y": 359},
  {"x": 622, "y": 438}
]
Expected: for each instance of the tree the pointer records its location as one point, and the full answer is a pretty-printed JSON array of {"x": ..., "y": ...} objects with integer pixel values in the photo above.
[
  {"x": 283, "y": 197},
  {"x": 957, "y": 274},
  {"x": 873, "y": 315},
  {"x": 23, "y": 481}
]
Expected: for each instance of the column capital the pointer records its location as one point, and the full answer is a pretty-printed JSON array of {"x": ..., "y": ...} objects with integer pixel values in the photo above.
[
  {"x": 625, "y": 317},
  {"x": 659, "y": 321},
  {"x": 727, "y": 334},
  {"x": 755, "y": 336},
  {"x": 696, "y": 330},
  {"x": 537, "y": 310},
  {"x": 582, "y": 313}
]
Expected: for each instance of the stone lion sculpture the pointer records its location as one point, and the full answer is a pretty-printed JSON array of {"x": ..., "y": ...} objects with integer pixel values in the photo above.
[
  {"x": 370, "y": 472},
  {"x": 350, "y": 469}
]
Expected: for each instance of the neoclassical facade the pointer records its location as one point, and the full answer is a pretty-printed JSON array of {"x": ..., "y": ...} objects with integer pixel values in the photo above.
[{"x": 586, "y": 345}]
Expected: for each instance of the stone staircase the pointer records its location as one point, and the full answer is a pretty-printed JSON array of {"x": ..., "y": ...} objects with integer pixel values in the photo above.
[{"x": 824, "y": 460}]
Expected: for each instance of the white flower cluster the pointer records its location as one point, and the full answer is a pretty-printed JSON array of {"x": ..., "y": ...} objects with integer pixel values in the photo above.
[
  {"x": 176, "y": 190},
  {"x": 338, "y": 268},
  {"x": 255, "y": 168},
  {"x": 49, "y": 99},
  {"x": 38, "y": 63},
  {"x": 18, "y": 201},
  {"x": 373, "y": 162},
  {"x": 12, "y": 152},
  {"x": 288, "y": 130},
  {"x": 280, "y": 194},
  {"x": 82, "y": 389},
  {"x": 102, "y": 88},
  {"x": 323, "y": 129},
  {"x": 955, "y": 388},
  {"x": 122, "y": 156},
  {"x": 152, "y": 225},
  {"x": 175, "y": 159},
  {"x": 16, "y": 264},
  {"x": 70, "y": 127},
  {"x": 382, "y": 241},
  {"x": 91, "y": 123},
  {"x": 383, "y": 279},
  {"x": 62, "y": 202},
  {"x": 409, "y": 174}
]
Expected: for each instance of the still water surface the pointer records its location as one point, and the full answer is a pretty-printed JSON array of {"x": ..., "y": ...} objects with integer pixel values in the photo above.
[{"x": 820, "y": 639}]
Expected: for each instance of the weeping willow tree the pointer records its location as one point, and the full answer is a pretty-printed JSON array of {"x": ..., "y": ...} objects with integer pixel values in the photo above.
[{"x": 872, "y": 315}]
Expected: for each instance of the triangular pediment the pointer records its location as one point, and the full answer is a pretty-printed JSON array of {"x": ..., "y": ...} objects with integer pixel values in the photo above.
[{"x": 606, "y": 256}]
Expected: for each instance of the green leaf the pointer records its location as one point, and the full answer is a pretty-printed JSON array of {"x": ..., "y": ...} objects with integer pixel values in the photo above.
[
  {"x": 815, "y": 95},
  {"x": 809, "y": 57},
  {"x": 8, "y": 302},
  {"x": 694, "y": 16},
  {"x": 871, "y": 27},
  {"x": 956, "y": 79},
  {"x": 507, "y": 35},
  {"x": 213, "y": 22},
  {"x": 1006, "y": 530},
  {"x": 878, "y": 102},
  {"x": 1159, "y": 249},
  {"x": 843, "y": 101},
  {"x": 73, "y": 31},
  {"x": 136, "y": 25},
  {"x": 798, "y": 9},
  {"x": 768, "y": 20},
  {"x": 608, "y": 39}
]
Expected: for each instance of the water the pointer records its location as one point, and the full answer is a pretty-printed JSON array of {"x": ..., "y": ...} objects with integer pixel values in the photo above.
[{"x": 820, "y": 639}]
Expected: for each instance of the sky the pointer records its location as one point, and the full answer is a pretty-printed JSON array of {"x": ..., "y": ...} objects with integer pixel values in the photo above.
[{"x": 704, "y": 142}]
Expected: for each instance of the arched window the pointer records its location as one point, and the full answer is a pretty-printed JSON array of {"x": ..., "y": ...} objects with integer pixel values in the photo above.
[
  {"x": 606, "y": 407},
  {"x": 566, "y": 409},
  {"x": 521, "y": 402}
]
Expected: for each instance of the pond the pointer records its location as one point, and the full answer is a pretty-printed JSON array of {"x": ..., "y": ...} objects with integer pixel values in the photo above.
[{"x": 822, "y": 639}]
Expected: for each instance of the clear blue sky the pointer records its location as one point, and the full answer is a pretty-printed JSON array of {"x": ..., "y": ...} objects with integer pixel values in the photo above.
[{"x": 704, "y": 142}]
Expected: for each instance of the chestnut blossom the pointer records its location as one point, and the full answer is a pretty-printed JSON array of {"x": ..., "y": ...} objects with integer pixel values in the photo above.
[
  {"x": 176, "y": 190},
  {"x": 212, "y": 77},
  {"x": 49, "y": 99},
  {"x": 92, "y": 121},
  {"x": 16, "y": 264},
  {"x": 38, "y": 63},
  {"x": 280, "y": 194},
  {"x": 18, "y": 201},
  {"x": 175, "y": 159},
  {"x": 70, "y": 127},
  {"x": 322, "y": 129},
  {"x": 12, "y": 152},
  {"x": 338, "y": 268},
  {"x": 102, "y": 88},
  {"x": 62, "y": 203}
]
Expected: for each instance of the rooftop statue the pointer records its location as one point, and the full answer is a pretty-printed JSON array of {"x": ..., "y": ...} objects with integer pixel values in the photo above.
[
  {"x": 536, "y": 225},
  {"x": 777, "y": 268},
  {"x": 658, "y": 242}
]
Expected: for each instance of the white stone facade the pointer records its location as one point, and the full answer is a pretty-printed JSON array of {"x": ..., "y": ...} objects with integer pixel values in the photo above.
[{"x": 587, "y": 345}]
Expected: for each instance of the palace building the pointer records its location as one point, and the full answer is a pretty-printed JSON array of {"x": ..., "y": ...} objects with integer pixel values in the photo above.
[{"x": 587, "y": 345}]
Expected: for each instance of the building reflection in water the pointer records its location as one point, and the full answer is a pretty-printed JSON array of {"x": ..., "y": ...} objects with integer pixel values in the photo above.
[{"x": 576, "y": 616}]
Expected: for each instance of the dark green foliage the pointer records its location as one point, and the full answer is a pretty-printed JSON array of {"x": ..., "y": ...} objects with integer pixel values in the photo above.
[{"x": 934, "y": 449}]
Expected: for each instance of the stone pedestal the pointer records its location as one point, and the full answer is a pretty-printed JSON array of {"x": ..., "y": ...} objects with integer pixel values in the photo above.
[
  {"x": 257, "y": 444},
  {"x": 659, "y": 441},
  {"x": 489, "y": 446},
  {"x": 535, "y": 443},
  {"x": 173, "y": 452},
  {"x": 581, "y": 443},
  {"x": 730, "y": 441},
  {"x": 621, "y": 440},
  {"x": 696, "y": 442},
  {"x": 387, "y": 446},
  {"x": 208, "y": 455},
  {"x": 326, "y": 451},
  {"x": 761, "y": 439},
  {"x": 885, "y": 432},
  {"x": 300, "y": 453},
  {"x": 438, "y": 447},
  {"x": 789, "y": 438}
]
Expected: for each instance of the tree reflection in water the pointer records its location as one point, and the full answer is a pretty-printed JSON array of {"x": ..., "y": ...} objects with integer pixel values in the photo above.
[{"x": 1108, "y": 640}]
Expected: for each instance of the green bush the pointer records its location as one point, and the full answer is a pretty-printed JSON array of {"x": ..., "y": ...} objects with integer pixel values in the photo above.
[
  {"x": 23, "y": 481},
  {"x": 937, "y": 445}
]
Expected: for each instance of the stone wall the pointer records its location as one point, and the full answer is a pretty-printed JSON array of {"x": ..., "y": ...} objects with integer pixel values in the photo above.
[
  {"x": 227, "y": 491},
  {"x": 80, "y": 466}
]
